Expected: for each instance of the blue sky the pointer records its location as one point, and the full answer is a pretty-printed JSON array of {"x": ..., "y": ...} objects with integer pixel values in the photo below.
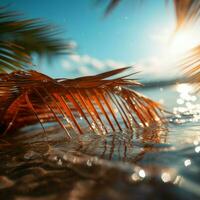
[{"x": 129, "y": 35}]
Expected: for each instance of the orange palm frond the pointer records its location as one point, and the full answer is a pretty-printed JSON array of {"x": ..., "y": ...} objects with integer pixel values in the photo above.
[
  {"x": 191, "y": 63},
  {"x": 187, "y": 11},
  {"x": 97, "y": 103}
]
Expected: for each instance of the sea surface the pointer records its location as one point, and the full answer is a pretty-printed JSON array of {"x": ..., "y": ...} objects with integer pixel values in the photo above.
[{"x": 151, "y": 163}]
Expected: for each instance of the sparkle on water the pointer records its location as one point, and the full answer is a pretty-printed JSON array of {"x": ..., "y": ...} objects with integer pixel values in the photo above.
[{"x": 187, "y": 105}]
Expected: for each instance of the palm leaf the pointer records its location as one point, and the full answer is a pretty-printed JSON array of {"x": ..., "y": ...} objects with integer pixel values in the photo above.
[
  {"x": 191, "y": 64},
  {"x": 97, "y": 103},
  {"x": 111, "y": 5},
  {"x": 187, "y": 11},
  {"x": 20, "y": 38}
]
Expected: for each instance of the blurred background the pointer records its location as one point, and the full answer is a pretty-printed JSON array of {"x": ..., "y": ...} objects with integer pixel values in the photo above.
[{"x": 139, "y": 34}]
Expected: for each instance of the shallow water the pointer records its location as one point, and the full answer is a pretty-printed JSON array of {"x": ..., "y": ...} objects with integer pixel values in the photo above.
[{"x": 151, "y": 163}]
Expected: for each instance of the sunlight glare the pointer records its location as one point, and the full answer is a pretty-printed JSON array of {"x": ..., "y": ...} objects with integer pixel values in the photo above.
[
  {"x": 197, "y": 149},
  {"x": 187, "y": 162},
  {"x": 184, "y": 89},
  {"x": 142, "y": 173},
  {"x": 176, "y": 44},
  {"x": 182, "y": 41},
  {"x": 165, "y": 176}
]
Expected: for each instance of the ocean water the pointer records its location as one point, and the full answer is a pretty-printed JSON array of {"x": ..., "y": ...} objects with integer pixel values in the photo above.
[{"x": 150, "y": 163}]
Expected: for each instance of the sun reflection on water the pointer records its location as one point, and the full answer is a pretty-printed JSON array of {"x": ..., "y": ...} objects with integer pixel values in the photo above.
[
  {"x": 166, "y": 177},
  {"x": 142, "y": 173},
  {"x": 197, "y": 149},
  {"x": 187, "y": 162},
  {"x": 187, "y": 110}
]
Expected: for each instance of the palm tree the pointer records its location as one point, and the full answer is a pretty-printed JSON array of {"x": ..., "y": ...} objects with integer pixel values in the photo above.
[{"x": 20, "y": 38}]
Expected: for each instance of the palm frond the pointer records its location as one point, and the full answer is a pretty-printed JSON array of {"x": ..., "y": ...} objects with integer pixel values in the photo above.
[
  {"x": 191, "y": 64},
  {"x": 111, "y": 5},
  {"x": 20, "y": 38},
  {"x": 187, "y": 11},
  {"x": 96, "y": 103}
]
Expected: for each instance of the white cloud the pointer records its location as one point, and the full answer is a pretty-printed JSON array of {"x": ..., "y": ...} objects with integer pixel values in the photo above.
[
  {"x": 84, "y": 71},
  {"x": 157, "y": 68},
  {"x": 87, "y": 65},
  {"x": 150, "y": 68},
  {"x": 73, "y": 44},
  {"x": 66, "y": 65},
  {"x": 75, "y": 58},
  {"x": 162, "y": 37},
  {"x": 114, "y": 64},
  {"x": 85, "y": 59}
]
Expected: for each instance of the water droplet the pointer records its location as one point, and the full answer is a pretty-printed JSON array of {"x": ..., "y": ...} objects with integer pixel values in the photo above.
[
  {"x": 118, "y": 89},
  {"x": 71, "y": 124}
]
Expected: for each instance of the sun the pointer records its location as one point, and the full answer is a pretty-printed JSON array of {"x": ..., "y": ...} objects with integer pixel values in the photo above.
[
  {"x": 174, "y": 45},
  {"x": 182, "y": 41}
]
